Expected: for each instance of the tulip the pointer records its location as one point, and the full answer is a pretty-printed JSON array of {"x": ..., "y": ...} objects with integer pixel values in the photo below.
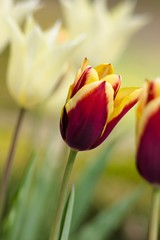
[
  {"x": 108, "y": 31},
  {"x": 94, "y": 106},
  {"x": 18, "y": 11},
  {"x": 37, "y": 61},
  {"x": 148, "y": 132},
  {"x": 148, "y": 147}
]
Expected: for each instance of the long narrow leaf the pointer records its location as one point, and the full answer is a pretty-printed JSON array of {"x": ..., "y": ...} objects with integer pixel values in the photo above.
[
  {"x": 68, "y": 216},
  {"x": 107, "y": 221},
  {"x": 17, "y": 213},
  {"x": 40, "y": 209}
]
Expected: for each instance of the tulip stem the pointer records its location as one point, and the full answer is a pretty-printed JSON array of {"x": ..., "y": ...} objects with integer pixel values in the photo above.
[
  {"x": 63, "y": 196},
  {"x": 154, "y": 217},
  {"x": 9, "y": 163}
]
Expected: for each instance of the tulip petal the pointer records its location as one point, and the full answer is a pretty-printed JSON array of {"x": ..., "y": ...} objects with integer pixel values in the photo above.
[
  {"x": 85, "y": 64},
  {"x": 125, "y": 100},
  {"x": 104, "y": 69},
  {"x": 150, "y": 91},
  {"x": 153, "y": 89},
  {"x": 115, "y": 81},
  {"x": 142, "y": 101},
  {"x": 63, "y": 123},
  {"x": 89, "y": 75},
  {"x": 87, "y": 114},
  {"x": 148, "y": 152},
  {"x": 22, "y": 9}
]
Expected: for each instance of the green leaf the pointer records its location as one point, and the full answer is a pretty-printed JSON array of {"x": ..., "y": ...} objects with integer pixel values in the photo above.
[
  {"x": 41, "y": 202},
  {"x": 32, "y": 212},
  {"x": 13, "y": 223},
  {"x": 68, "y": 216},
  {"x": 87, "y": 182},
  {"x": 107, "y": 221}
]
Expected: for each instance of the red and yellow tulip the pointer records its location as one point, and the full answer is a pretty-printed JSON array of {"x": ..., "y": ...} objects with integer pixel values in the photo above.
[
  {"x": 148, "y": 132},
  {"x": 94, "y": 106}
]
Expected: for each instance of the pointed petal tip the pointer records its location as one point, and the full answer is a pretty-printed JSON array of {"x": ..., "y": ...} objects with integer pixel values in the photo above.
[{"x": 104, "y": 70}]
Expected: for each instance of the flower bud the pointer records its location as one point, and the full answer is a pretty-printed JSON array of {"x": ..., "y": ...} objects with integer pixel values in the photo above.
[
  {"x": 148, "y": 132},
  {"x": 94, "y": 106}
]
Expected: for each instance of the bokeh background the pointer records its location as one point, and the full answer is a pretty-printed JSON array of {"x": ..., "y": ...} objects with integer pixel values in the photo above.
[{"x": 139, "y": 61}]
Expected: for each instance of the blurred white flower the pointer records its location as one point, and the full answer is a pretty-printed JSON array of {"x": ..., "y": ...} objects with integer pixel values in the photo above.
[
  {"x": 18, "y": 11},
  {"x": 36, "y": 62},
  {"x": 107, "y": 30}
]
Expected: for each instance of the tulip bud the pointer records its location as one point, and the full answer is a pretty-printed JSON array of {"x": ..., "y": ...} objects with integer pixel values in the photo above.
[
  {"x": 148, "y": 132},
  {"x": 94, "y": 106}
]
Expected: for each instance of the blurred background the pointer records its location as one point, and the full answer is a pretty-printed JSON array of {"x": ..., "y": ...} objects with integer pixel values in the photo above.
[{"x": 139, "y": 61}]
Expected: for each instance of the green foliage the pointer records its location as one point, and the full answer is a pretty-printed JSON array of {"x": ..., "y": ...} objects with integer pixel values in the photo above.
[
  {"x": 41, "y": 203},
  {"x": 32, "y": 213},
  {"x": 87, "y": 182},
  {"x": 13, "y": 224},
  {"x": 103, "y": 225},
  {"x": 68, "y": 216}
]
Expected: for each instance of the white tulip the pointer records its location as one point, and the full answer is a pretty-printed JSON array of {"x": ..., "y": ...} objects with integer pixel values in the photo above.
[
  {"x": 18, "y": 11},
  {"x": 37, "y": 61},
  {"x": 108, "y": 31}
]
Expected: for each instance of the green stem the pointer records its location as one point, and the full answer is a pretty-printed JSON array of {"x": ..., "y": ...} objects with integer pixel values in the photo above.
[
  {"x": 153, "y": 224},
  {"x": 9, "y": 163},
  {"x": 63, "y": 195}
]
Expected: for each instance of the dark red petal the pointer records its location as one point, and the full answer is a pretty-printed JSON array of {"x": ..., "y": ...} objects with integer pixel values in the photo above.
[
  {"x": 82, "y": 80},
  {"x": 114, "y": 122},
  {"x": 87, "y": 119},
  {"x": 63, "y": 123},
  {"x": 148, "y": 154},
  {"x": 151, "y": 94}
]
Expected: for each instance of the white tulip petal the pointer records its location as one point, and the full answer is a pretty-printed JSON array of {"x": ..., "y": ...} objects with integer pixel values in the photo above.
[
  {"x": 53, "y": 33},
  {"x": 16, "y": 10},
  {"x": 108, "y": 31},
  {"x": 22, "y": 9},
  {"x": 35, "y": 65},
  {"x": 14, "y": 30}
]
